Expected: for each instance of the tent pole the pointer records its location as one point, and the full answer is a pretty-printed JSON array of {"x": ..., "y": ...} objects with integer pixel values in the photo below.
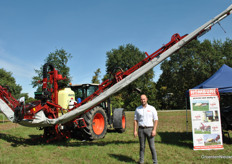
[{"x": 186, "y": 101}]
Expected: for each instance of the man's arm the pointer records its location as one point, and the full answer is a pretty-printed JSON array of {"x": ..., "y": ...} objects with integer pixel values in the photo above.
[
  {"x": 154, "y": 128},
  {"x": 135, "y": 128}
]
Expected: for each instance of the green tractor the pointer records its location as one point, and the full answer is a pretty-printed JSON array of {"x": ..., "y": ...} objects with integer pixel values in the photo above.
[{"x": 101, "y": 117}]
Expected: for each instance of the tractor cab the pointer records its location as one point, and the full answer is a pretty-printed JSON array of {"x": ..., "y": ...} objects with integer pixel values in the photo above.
[{"x": 82, "y": 91}]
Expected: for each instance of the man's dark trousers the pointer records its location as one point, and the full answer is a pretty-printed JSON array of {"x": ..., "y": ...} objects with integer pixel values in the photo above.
[{"x": 145, "y": 133}]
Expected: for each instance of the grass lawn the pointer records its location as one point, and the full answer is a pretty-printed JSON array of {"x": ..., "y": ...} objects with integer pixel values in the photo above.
[{"x": 173, "y": 145}]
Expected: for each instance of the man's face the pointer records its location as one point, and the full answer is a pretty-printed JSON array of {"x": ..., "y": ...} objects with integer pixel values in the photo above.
[{"x": 144, "y": 100}]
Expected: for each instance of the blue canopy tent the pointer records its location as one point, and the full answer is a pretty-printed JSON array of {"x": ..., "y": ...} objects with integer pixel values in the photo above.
[{"x": 222, "y": 79}]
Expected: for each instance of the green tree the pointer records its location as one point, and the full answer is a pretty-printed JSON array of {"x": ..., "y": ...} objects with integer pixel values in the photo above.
[
  {"x": 124, "y": 58},
  {"x": 95, "y": 78},
  {"x": 59, "y": 59},
  {"x": 187, "y": 68},
  {"x": 6, "y": 79},
  {"x": 226, "y": 50}
]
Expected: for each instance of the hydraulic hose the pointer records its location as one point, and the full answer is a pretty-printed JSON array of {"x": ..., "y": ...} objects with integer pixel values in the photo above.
[{"x": 45, "y": 69}]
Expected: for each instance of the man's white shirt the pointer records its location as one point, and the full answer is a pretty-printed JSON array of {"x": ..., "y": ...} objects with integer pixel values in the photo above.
[{"x": 145, "y": 116}]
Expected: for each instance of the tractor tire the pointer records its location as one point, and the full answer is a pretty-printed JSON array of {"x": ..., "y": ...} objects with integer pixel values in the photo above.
[
  {"x": 119, "y": 120},
  {"x": 96, "y": 124},
  {"x": 123, "y": 129}
]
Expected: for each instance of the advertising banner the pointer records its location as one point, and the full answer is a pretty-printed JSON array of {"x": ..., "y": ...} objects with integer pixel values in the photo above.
[{"x": 205, "y": 115}]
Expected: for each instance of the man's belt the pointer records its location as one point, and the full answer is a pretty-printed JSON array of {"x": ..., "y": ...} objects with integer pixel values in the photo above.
[{"x": 145, "y": 127}]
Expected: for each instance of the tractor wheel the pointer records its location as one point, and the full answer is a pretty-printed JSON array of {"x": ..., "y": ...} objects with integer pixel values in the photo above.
[
  {"x": 96, "y": 121},
  {"x": 119, "y": 120},
  {"x": 121, "y": 130}
]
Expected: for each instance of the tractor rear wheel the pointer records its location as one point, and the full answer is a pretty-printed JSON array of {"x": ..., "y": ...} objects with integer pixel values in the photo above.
[
  {"x": 96, "y": 121},
  {"x": 119, "y": 120},
  {"x": 121, "y": 130}
]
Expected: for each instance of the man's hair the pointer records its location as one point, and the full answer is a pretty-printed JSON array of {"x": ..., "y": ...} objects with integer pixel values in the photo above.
[{"x": 144, "y": 95}]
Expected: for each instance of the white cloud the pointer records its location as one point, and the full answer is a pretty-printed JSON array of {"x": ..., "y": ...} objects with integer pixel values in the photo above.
[
  {"x": 22, "y": 70},
  {"x": 19, "y": 67},
  {"x": 19, "y": 71}
]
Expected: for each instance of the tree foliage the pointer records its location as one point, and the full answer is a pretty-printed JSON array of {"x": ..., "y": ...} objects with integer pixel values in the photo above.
[
  {"x": 189, "y": 67},
  {"x": 96, "y": 77},
  {"x": 59, "y": 59},
  {"x": 124, "y": 58},
  {"x": 6, "y": 79}
]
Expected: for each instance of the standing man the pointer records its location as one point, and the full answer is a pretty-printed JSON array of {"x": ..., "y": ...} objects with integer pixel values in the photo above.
[{"x": 146, "y": 121}]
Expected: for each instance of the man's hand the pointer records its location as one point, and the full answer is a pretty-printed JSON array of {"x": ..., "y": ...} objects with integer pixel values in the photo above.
[
  {"x": 153, "y": 133},
  {"x": 135, "y": 128},
  {"x": 135, "y": 134}
]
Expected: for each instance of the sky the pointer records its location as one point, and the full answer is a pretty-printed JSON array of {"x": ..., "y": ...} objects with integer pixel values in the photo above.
[{"x": 87, "y": 29}]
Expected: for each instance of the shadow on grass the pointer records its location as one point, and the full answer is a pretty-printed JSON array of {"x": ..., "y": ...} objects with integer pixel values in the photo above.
[
  {"x": 16, "y": 141},
  {"x": 122, "y": 158},
  {"x": 38, "y": 140},
  {"x": 182, "y": 139},
  {"x": 3, "y": 122}
]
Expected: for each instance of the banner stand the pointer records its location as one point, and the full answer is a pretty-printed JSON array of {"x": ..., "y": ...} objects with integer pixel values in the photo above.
[{"x": 206, "y": 119}]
